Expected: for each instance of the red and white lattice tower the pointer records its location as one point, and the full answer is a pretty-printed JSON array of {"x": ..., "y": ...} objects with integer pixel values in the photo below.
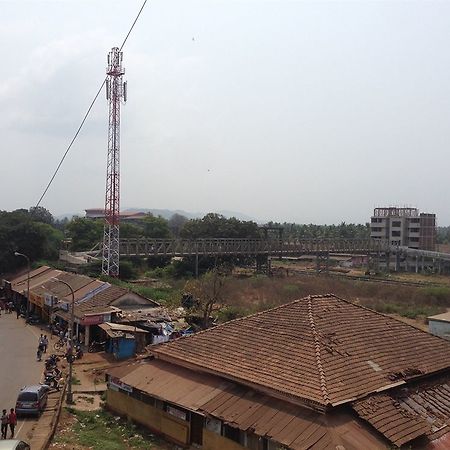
[{"x": 116, "y": 91}]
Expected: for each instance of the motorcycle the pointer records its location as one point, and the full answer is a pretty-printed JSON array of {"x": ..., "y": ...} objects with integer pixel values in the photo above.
[
  {"x": 96, "y": 346},
  {"x": 78, "y": 351}
]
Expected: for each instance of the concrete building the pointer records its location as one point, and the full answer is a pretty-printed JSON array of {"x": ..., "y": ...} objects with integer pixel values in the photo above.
[
  {"x": 439, "y": 325},
  {"x": 405, "y": 227},
  {"x": 99, "y": 213}
]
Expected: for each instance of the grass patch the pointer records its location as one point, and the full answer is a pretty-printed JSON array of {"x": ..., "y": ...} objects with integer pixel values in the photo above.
[
  {"x": 75, "y": 380},
  {"x": 100, "y": 430}
]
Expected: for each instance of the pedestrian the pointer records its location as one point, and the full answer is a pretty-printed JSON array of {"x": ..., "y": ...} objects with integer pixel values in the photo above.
[
  {"x": 39, "y": 352},
  {"x": 45, "y": 343},
  {"x": 4, "y": 421},
  {"x": 12, "y": 420}
]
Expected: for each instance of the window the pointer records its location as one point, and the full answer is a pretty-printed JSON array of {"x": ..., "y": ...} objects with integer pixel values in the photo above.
[
  {"x": 231, "y": 433},
  {"x": 377, "y": 229},
  {"x": 214, "y": 425},
  {"x": 414, "y": 239},
  {"x": 396, "y": 234},
  {"x": 414, "y": 230},
  {"x": 396, "y": 223}
]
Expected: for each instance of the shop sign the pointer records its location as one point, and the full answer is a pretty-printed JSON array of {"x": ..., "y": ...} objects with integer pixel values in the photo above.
[
  {"x": 92, "y": 320},
  {"x": 50, "y": 300},
  {"x": 115, "y": 384},
  {"x": 64, "y": 306},
  {"x": 36, "y": 299}
]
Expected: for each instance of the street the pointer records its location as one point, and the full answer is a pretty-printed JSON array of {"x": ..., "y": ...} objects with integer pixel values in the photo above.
[{"x": 18, "y": 365}]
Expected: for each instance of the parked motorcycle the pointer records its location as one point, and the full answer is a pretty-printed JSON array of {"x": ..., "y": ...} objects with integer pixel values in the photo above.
[
  {"x": 78, "y": 351},
  {"x": 96, "y": 346}
]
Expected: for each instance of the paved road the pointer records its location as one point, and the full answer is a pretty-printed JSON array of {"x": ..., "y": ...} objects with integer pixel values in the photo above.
[{"x": 18, "y": 365}]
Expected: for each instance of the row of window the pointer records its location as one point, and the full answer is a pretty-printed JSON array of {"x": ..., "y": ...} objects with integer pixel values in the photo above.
[{"x": 247, "y": 440}]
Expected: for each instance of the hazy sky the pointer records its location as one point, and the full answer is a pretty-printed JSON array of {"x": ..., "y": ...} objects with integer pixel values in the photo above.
[{"x": 302, "y": 111}]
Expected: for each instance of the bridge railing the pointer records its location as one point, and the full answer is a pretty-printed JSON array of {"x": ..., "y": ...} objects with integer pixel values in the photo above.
[{"x": 231, "y": 246}]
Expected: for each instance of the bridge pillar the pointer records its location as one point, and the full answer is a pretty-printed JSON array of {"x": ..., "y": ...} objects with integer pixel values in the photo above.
[
  {"x": 417, "y": 264},
  {"x": 388, "y": 262},
  {"x": 397, "y": 261},
  {"x": 423, "y": 264},
  {"x": 196, "y": 264}
]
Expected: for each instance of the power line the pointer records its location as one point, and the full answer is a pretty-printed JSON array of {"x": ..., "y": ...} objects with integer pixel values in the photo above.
[{"x": 87, "y": 112}]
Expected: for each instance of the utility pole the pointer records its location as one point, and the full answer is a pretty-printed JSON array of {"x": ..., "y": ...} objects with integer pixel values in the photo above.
[{"x": 116, "y": 91}]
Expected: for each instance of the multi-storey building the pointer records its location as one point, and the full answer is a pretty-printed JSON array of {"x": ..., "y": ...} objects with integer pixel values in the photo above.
[{"x": 405, "y": 227}]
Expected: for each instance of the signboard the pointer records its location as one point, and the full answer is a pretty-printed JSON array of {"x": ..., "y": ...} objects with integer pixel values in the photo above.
[
  {"x": 64, "y": 306},
  {"x": 96, "y": 319},
  {"x": 176, "y": 412},
  {"x": 115, "y": 384},
  {"x": 50, "y": 300}
]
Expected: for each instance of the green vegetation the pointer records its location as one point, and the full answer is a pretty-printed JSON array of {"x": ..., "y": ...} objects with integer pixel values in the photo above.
[
  {"x": 100, "y": 430},
  {"x": 29, "y": 232},
  {"x": 311, "y": 231}
]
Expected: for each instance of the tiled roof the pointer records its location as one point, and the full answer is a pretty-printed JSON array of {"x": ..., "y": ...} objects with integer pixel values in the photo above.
[
  {"x": 320, "y": 350},
  {"x": 243, "y": 408},
  {"x": 405, "y": 413}
]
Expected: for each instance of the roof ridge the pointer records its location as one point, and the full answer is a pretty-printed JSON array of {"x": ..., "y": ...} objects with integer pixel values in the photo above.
[
  {"x": 284, "y": 305},
  {"x": 323, "y": 381},
  {"x": 387, "y": 316}
]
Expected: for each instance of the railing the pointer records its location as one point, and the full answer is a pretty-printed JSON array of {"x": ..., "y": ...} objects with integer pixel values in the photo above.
[{"x": 250, "y": 247}]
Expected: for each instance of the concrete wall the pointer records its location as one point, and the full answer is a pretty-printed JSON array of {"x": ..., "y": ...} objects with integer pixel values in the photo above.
[
  {"x": 212, "y": 441},
  {"x": 438, "y": 328},
  {"x": 155, "y": 419}
]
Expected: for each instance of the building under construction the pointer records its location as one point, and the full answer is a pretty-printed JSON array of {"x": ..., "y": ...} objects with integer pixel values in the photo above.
[{"x": 404, "y": 227}]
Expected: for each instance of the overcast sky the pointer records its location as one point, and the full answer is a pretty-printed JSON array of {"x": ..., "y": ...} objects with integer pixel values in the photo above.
[{"x": 301, "y": 111}]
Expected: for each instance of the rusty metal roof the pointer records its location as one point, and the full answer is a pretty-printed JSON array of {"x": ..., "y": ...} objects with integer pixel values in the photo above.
[
  {"x": 408, "y": 412},
  {"x": 320, "y": 350},
  {"x": 291, "y": 425}
]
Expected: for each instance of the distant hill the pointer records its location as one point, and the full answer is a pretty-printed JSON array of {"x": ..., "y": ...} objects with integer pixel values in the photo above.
[{"x": 168, "y": 213}]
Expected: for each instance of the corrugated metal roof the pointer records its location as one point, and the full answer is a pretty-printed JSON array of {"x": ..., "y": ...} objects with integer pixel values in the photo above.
[
  {"x": 36, "y": 281},
  {"x": 246, "y": 409},
  {"x": 24, "y": 275},
  {"x": 320, "y": 349}
]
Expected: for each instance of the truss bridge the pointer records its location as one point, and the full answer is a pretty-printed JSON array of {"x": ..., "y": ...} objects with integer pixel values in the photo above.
[{"x": 247, "y": 247}]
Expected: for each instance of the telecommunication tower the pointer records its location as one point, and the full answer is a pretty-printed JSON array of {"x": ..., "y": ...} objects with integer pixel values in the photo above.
[{"x": 116, "y": 91}]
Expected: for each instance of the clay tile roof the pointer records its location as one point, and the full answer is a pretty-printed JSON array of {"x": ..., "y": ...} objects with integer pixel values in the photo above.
[
  {"x": 320, "y": 349},
  {"x": 416, "y": 409}
]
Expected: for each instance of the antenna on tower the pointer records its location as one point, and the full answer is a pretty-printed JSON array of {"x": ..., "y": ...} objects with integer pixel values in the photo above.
[{"x": 115, "y": 92}]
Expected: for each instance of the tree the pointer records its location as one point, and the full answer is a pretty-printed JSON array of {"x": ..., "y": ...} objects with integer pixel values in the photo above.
[
  {"x": 205, "y": 294},
  {"x": 176, "y": 223},
  {"x": 85, "y": 233},
  {"x": 18, "y": 232},
  {"x": 41, "y": 214},
  {"x": 155, "y": 227},
  {"x": 215, "y": 225}
]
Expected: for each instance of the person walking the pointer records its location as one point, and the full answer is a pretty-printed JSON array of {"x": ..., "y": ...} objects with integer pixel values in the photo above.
[
  {"x": 45, "y": 343},
  {"x": 12, "y": 421},
  {"x": 4, "y": 422},
  {"x": 39, "y": 352}
]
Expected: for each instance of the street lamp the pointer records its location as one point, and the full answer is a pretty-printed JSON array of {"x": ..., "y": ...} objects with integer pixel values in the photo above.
[
  {"x": 28, "y": 283},
  {"x": 69, "y": 397}
]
